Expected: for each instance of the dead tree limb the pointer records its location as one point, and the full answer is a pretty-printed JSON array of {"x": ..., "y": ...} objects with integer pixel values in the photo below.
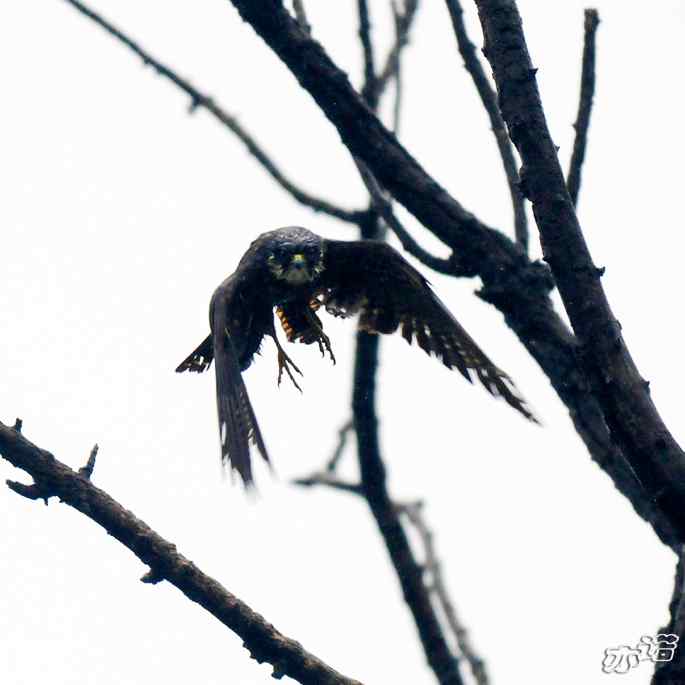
[
  {"x": 623, "y": 395},
  {"x": 52, "y": 478},
  {"x": 587, "y": 92}
]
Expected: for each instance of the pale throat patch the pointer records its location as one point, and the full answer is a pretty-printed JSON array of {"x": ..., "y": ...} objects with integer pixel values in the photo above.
[{"x": 295, "y": 276}]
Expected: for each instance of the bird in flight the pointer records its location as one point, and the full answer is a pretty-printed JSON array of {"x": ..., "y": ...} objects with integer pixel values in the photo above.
[{"x": 298, "y": 272}]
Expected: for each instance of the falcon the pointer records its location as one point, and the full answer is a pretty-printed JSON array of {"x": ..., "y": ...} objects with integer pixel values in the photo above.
[{"x": 296, "y": 272}]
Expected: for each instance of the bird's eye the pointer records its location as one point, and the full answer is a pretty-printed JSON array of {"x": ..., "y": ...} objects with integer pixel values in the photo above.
[{"x": 271, "y": 257}]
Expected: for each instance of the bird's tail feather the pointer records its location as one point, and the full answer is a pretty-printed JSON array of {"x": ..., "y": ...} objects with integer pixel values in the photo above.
[
  {"x": 238, "y": 425},
  {"x": 200, "y": 359}
]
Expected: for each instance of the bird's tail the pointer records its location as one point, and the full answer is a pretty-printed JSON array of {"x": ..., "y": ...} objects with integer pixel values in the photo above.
[
  {"x": 200, "y": 359},
  {"x": 238, "y": 425}
]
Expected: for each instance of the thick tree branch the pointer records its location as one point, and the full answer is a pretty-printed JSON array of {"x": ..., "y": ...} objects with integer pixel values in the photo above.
[
  {"x": 200, "y": 100},
  {"x": 623, "y": 394},
  {"x": 265, "y": 644},
  {"x": 516, "y": 286},
  {"x": 587, "y": 91},
  {"x": 489, "y": 99}
]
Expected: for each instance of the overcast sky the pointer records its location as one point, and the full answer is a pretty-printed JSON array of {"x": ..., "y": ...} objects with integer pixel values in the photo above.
[{"x": 121, "y": 213}]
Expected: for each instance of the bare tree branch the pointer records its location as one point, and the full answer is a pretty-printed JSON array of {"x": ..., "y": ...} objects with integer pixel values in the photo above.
[
  {"x": 414, "y": 513},
  {"x": 373, "y": 91},
  {"x": 489, "y": 99},
  {"x": 200, "y": 100},
  {"x": 343, "y": 432},
  {"x": 384, "y": 209},
  {"x": 301, "y": 15},
  {"x": 517, "y": 287},
  {"x": 397, "y": 105},
  {"x": 587, "y": 91},
  {"x": 265, "y": 644},
  {"x": 367, "y": 46},
  {"x": 635, "y": 424},
  {"x": 329, "y": 480}
]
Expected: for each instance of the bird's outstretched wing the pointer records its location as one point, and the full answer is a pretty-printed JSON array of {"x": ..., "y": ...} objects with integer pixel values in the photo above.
[
  {"x": 238, "y": 425},
  {"x": 371, "y": 278}
]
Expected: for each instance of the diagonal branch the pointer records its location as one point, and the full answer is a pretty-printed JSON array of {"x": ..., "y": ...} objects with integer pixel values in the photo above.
[
  {"x": 623, "y": 395},
  {"x": 200, "y": 100},
  {"x": 489, "y": 99},
  {"x": 384, "y": 209},
  {"x": 414, "y": 513},
  {"x": 261, "y": 639},
  {"x": 587, "y": 91}
]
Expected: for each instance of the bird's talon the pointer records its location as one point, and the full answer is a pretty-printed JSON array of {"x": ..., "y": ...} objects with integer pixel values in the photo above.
[{"x": 284, "y": 363}]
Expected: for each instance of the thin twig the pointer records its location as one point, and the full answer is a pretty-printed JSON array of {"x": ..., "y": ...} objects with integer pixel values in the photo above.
[
  {"x": 414, "y": 512},
  {"x": 261, "y": 639},
  {"x": 301, "y": 15},
  {"x": 397, "y": 105},
  {"x": 329, "y": 480},
  {"x": 200, "y": 100},
  {"x": 587, "y": 91},
  {"x": 343, "y": 432},
  {"x": 87, "y": 470},
  {"x": 384, "y": 208},
  {"x": 488, "y": 97},
  {"x": 387, "y": 73},
  {"x": 367, "y": 47}
]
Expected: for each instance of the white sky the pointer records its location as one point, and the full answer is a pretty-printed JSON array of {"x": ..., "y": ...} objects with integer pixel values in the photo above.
[{"x": 120, "y": 214}]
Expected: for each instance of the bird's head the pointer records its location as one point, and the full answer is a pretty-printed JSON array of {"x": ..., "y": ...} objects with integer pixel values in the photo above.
[{"x": 294, "y": 255}]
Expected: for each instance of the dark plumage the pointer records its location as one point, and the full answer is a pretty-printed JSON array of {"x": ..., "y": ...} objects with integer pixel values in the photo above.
[{"x": 297, "y": 272}]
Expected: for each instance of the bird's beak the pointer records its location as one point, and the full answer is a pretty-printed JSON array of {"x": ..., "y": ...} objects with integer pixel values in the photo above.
[{"x": 298, "y": 270}]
